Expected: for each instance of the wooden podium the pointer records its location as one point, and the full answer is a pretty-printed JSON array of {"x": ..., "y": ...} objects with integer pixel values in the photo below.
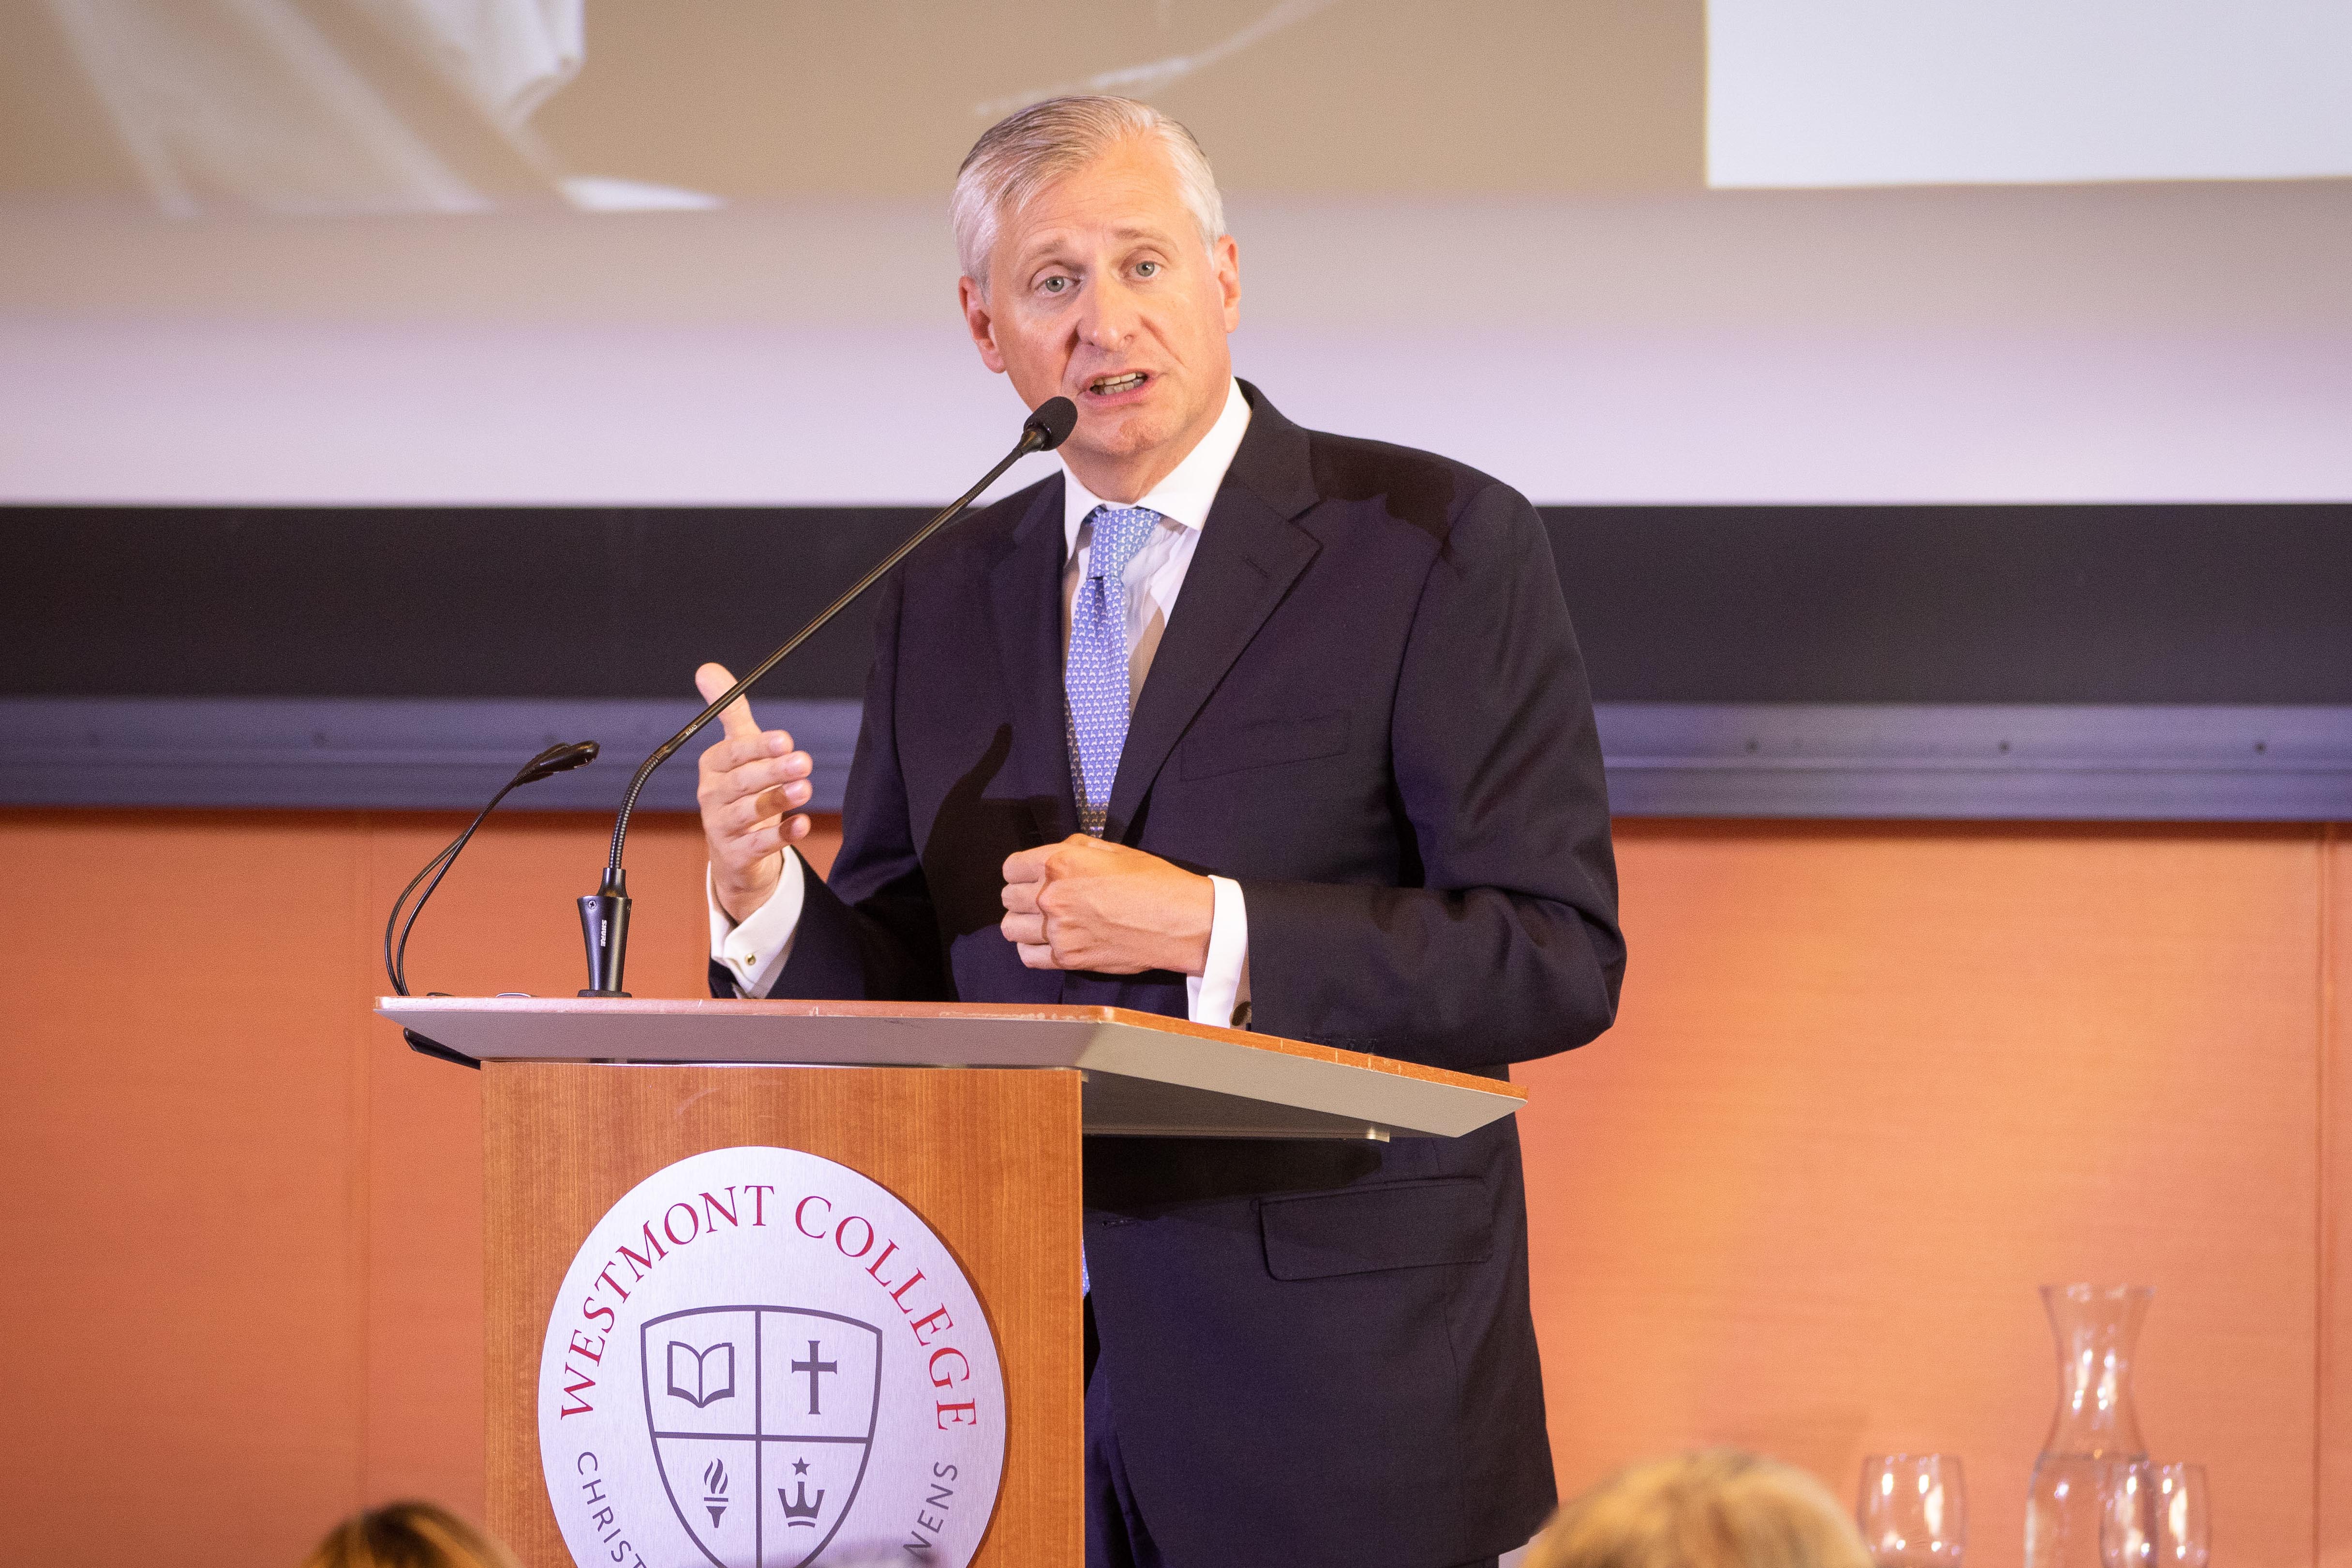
[{"x": 971, "y": 1115}]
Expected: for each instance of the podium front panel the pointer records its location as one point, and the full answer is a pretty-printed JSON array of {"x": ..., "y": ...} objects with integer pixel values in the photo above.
[{"x": 988, "y": 1159}]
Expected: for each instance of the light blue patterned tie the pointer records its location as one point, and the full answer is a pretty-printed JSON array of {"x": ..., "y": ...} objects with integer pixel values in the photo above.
[
  {"x": 1094, "y": 689},
  {"x": 1095, "y": 678}
]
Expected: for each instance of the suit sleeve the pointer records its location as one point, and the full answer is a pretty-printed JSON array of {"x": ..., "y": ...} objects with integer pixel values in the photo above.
[
  {"x": 867, "y": 930},
  {"x": 1505, "y": 944}
]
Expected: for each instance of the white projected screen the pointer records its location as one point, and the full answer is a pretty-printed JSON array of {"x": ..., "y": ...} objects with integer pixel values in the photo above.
[{"x": 1899, "y": 92}]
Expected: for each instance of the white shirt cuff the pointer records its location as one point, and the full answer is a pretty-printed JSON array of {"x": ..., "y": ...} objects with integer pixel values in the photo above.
[
  {"x": 1222, "y": 988},
  {"x": 754, "y": 951}
]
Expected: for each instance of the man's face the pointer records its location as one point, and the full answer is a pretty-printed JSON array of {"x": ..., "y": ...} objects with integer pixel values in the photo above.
[{"x": 1102, "y": 291}]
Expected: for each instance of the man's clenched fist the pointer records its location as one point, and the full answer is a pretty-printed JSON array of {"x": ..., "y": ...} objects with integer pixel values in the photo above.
[
  {"x": 1086, "y": 904},
  {"x": 751, "y": 778}
]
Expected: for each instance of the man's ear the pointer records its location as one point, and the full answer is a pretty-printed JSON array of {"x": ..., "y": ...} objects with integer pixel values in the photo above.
[
  {"x": 1227, "y": 256},
  {"x": 982, "y": 324}
]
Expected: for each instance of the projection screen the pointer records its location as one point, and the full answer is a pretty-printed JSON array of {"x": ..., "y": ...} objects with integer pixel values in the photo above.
[{"x": 1895, "y": 92}]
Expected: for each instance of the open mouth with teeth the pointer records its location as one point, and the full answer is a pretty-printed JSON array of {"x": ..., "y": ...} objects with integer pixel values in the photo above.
[{"x": 1112, "y": 385}]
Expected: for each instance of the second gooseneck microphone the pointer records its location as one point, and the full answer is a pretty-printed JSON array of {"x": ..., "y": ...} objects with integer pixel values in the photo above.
[{"x": 604, "y": 914}]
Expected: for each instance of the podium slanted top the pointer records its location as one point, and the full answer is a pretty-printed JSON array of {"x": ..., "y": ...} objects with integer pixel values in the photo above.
[{"x": 1145, "y": 1075}]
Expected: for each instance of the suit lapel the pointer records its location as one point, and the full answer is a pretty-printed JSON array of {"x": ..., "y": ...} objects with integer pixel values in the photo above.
[
  {"x": 1024, "y": 590},
  {"x": 1249, "y": 555}
]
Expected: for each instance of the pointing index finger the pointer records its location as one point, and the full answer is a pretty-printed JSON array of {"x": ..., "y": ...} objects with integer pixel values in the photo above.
[{"x": 712, "y": 680}]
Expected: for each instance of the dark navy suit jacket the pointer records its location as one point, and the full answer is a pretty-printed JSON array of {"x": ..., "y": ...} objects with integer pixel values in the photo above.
[{"x": 1369, "y": 709}]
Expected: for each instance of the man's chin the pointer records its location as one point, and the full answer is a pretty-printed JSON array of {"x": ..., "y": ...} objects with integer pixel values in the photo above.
[{"x": 1123, "y": 435}]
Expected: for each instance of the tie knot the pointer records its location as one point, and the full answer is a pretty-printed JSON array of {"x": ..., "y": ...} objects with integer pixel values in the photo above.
[{"x": 1119, "y": 532}]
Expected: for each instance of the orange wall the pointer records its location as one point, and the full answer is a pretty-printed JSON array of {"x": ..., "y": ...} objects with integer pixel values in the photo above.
[{"x": 1871, "y": 1086}]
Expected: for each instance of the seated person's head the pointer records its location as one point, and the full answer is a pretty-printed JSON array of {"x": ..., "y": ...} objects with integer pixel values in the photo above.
[
  {"x": 408, "y": 1535},
  {"x": 1717, "y": 1510}
]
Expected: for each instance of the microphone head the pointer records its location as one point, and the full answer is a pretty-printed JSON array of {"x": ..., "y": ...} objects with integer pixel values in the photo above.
[
  {"x": 558, "y": 759},
  {"x": 1051, "y": 423}
]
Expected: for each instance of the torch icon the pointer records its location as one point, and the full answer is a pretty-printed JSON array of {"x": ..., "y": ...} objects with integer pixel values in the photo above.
[{"x": 714, "y": 1481}]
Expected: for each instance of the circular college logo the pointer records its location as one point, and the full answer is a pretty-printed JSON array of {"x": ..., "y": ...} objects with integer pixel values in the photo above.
[{"x": 761, "y": 1359}]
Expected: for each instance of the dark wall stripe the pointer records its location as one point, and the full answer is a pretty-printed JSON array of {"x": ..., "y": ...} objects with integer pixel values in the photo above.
[
  {"x": 1943, "y": 604},
  {"x": 2068, "y": 605},
  {"x": 2083, "y": 662}
]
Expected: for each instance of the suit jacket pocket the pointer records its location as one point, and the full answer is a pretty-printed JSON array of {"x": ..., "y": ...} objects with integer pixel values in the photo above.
[
  {"x": 1263, "y": 744},
  {"x": 1402, "y": 1225}
]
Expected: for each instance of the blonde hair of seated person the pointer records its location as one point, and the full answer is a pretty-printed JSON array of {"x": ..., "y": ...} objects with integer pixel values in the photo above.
[
  {"x": 408, "y": 1535},
  {"x": 1721, "y": 1508}
]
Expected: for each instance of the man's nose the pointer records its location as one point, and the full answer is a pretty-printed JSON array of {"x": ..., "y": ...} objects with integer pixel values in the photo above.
[{"x": 1109, "y": 321}]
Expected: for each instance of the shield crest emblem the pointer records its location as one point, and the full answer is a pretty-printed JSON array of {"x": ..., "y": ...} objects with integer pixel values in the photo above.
[{"x": 761, "y": 1420}]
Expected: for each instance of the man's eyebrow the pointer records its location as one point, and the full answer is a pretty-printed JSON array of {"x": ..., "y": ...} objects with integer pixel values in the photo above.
[
  {"x": 1039, "y": 249},
  {"x": 1044, "y": 246}
]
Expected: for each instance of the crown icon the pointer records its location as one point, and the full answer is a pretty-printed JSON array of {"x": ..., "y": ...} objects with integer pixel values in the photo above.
[{"x": 801, "y": 1514}]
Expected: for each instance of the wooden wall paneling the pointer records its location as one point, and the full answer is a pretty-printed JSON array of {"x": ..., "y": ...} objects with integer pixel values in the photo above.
[
  {"x": 2334, "y": 1536},
  {"x": 180, "y": 1112},
  {"x": 1872, "y": 1085},
  {"x": 424, "y": 1216},
  {"x": 1799, "y": 1197},
  {"x": 995, "y": 1174},
  {"x": 253, "y": 1215}
]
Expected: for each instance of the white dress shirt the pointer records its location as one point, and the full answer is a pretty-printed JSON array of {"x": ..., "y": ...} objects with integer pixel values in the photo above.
[{"x": 755, "y": 950}]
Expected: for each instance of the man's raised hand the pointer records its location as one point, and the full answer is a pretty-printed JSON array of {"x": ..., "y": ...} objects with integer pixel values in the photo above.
[
  {"x": 752, "y": 781},
  {"x": 1086, "y": 904}
]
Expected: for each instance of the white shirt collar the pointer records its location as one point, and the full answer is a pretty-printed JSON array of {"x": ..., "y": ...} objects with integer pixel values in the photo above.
[{"x": 1190, "y": 488}]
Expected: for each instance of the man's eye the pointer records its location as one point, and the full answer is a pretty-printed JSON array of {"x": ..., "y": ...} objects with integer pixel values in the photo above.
[
  {"x": 1146, "y": 269},
  {"x": 1055, "y": 285}
]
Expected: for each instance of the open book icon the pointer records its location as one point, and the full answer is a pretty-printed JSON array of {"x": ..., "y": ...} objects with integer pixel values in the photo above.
[{"x": 701, "y": 1376}]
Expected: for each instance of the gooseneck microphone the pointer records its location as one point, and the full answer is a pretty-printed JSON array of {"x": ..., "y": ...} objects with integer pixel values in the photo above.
[
  {"x": 547, "y": 765},
  {"x": 604, "y": 914}
]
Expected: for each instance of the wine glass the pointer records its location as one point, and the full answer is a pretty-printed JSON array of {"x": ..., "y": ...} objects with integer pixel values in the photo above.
[
  {"x": 1912, "y": 1510},
  {"x": 2184, "y": 1517},
  {"x": 2127, "y": 1515}
]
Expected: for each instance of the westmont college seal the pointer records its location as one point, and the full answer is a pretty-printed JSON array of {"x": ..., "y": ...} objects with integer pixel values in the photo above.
[{"x": 761, "y": 1359}]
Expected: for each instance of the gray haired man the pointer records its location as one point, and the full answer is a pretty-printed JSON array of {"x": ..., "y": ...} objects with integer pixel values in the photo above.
[{"x": 1250, "y": 725}]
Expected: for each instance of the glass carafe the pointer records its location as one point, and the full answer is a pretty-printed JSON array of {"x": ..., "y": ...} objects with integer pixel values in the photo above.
[{"x": 2096, "y": 1429}]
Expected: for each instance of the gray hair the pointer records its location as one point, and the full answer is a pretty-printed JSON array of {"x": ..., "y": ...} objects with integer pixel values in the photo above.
[{"x": 1029, "y": 149}]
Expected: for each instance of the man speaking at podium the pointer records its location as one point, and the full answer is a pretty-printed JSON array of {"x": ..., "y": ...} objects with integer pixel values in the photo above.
[{"x": 1244, "y": 724}]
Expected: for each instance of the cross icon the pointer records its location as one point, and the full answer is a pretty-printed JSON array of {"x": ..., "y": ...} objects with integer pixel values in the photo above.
[{"x": 814, "y": 1368}]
